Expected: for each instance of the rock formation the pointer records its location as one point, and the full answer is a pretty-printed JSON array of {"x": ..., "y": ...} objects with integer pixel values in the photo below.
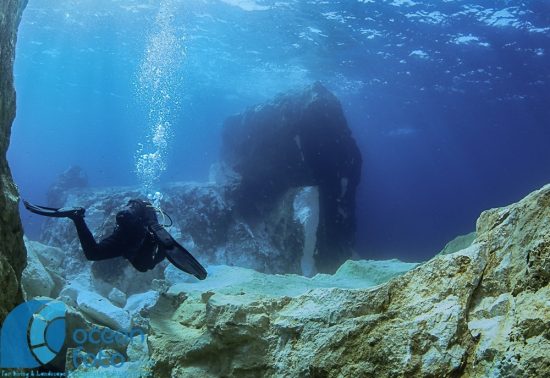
[
  {"x": 281, "y": 201},
  {"x": 479, "y": 312},
  {"x": 298, "y": 140},
  {"x": 482, "y": 311},
  {"x": 12, "y": 250},
  {"x": 92, "y": 304},
  {"x": 205, "y": 222}
]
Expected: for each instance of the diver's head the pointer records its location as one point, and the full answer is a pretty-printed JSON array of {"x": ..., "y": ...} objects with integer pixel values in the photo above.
[{"x": 138, "y": 213}]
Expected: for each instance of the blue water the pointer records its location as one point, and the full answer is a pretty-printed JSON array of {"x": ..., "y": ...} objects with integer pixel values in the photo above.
[{"x": 448, "y": 100}]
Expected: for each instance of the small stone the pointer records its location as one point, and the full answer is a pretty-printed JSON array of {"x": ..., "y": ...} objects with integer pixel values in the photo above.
[{"x": 117, "y": 297}]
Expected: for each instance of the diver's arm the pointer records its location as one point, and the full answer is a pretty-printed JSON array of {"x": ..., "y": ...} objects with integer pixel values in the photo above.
[{"x": 108, "y": 248}]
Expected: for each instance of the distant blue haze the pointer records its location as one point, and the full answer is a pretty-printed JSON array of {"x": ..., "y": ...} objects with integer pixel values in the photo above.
[{"x": 449, "y": 101}]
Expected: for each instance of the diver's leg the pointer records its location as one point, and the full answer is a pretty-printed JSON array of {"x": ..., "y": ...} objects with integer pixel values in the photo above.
[{"x": 106, "y": 249}]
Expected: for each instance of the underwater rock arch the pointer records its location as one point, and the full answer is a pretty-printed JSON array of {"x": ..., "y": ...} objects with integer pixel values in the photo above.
[{"x": 299, "y": 139}]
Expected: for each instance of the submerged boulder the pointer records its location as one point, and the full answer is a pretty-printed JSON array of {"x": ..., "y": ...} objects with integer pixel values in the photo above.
[
  {"x": 36, "y": 280},
  {"x": 478, "y": 312},
  {"x": 297, "y": 140},
  {"x": 103, "y": 311}
]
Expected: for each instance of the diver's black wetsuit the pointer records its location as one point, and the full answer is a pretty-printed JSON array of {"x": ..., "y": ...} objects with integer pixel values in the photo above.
[
  {"x": 141, "y": 250},
  {"x": 138, "y": 237},
  {"x": 135, "y": 244}
]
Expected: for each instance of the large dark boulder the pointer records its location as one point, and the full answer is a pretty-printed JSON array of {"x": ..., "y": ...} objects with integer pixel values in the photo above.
[
  {"x": 12, "y": 249},
  {"x": 297, "y": 140}
]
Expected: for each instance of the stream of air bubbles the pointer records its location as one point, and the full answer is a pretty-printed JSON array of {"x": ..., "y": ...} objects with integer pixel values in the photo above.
[{"x": 157, "y": 87}]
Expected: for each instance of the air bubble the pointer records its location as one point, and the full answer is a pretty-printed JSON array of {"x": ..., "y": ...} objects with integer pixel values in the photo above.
[{"x": 158, "y": 85}]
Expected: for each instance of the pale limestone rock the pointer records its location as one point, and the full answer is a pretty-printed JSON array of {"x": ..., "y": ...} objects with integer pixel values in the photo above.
[
  {"x": 47, "y": 264},
  {"x": 75, "y": 285},
  {"x": 73, "y": 289},
  {"x": 306, "y": 212},
  {"x": 51, "y": 257},
  {"x": 510, "y": 313},
  {"x": 141, "y": 302},
  {"x": 139, "y": 305},
  {"x": 117, "y": 297},
  {"x": 483, "y": 311},
  {"x": 236, "y": 281},
  {"x": 102, "y": 310},
  {"x": 138, "y": 349},
  {"x": 36, "y": 281},
  {"x": 365, "y": 273}
]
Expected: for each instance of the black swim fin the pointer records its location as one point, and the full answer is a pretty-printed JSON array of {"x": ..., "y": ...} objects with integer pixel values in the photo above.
[
  {"x": 177, "y": 254},
  {"x": 63, "y": 212}
]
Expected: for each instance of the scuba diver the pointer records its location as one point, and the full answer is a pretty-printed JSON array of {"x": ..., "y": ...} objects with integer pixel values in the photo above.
[{"x": 138, "y": 237}]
